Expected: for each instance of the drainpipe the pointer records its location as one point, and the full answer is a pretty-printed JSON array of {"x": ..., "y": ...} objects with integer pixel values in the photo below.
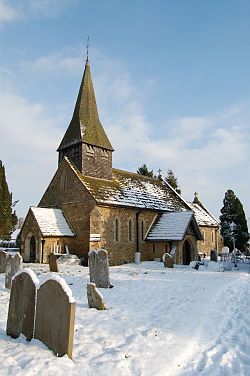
[
  {"x": 43, "y": 242},
  {"x": 137, "y": 230}
]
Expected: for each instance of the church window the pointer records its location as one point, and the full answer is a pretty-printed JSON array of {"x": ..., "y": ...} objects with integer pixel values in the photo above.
[
  {"x": 212, "y": 236},
  {"x": 203, "y": 234},
  {"x": 142, "y": 231},
  {"x": 153, "y": 248},
  {"x": 130, "y": 230},
  {"x": 63, "y": 181},
  {"x": 116, "y": 230},
  {"x": 105, "y": 154},
  {"x": 90, "y": 150}
]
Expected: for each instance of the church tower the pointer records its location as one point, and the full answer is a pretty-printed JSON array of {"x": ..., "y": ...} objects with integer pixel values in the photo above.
[{"x": 85, "y": 142}]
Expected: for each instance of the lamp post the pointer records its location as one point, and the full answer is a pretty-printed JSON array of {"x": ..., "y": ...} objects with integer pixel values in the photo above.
[{"x": 233, "y": 228}]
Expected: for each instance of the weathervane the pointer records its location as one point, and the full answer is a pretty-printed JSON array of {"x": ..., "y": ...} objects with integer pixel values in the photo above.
[{"x": 87, "y": 49}]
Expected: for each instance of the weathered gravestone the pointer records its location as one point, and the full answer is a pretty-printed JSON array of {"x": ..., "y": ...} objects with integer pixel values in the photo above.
[
  {"x": 214, "y": 255},
  {"x": 22, "y": 304},
  {"x": 168, "y": 261},
  {"x": 13, "y": 264},
  {"x": 55, "y": 316},
  {"x": 3, "y": 256},
  {"x": 99, "y": 268},
  {"x": 95, "y": 298},
  {"x": 53, "y": 264}
]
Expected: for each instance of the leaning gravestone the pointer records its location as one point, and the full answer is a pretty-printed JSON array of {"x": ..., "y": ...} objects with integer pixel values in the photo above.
[
  {"x": 213, "y": 255},
  {"x": 22, "y": 304},
  {"x": 3, "y": 256},
  {"x": 55, "y": 316},
  {"x": 168, "y": 261},
  {"x": 13, "y": 264},
  {"x": 53, "y": 263},
  {"x": 95, "y": 298},
  {"x": 99, "y": 268}
]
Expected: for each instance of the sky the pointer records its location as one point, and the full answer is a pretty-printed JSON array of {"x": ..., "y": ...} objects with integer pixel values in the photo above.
[{"x": 172, "y": 85}]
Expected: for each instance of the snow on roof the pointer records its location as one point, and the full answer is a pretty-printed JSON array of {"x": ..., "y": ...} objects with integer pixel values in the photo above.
[
  {"x": 51, "y": 222},
  {"x": 132, "y": 190},
  {"x": 173, "y": 226},
  {"x": 202, "y": 215}
]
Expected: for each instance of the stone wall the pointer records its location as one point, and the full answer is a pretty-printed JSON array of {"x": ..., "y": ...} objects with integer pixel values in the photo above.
[
  {"x": 29, "y": 229},
  {"x": 76, "y": 203},
  {"x": 212, "y": 240}
]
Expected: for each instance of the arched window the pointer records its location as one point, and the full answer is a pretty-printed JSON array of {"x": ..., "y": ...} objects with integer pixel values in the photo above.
[
  {"x": 116, "y": 230},
  {"x": 142, "y": 231},
  {"x": 212, "y": 236},
  {"x": 130, "y": 230}
]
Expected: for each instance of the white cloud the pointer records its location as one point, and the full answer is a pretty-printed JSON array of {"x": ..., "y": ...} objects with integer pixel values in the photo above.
[{"x": 7, "y": 12}]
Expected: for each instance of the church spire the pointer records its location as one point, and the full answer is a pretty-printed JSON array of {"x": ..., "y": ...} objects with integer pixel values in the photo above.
[{"x": 85, "y": 125}]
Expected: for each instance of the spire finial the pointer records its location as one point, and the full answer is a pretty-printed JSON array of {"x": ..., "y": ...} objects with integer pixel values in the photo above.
[{"x": 87, "y": 49}]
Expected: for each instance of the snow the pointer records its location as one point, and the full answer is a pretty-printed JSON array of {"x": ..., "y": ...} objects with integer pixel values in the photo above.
[
  {"x": 160, "y": 322},
  {"x": 51, "y": 222},
  {"x": 202, "y": 215},
  {"x": 171, "y": 226},
  {"x": 30, "y": 273}
]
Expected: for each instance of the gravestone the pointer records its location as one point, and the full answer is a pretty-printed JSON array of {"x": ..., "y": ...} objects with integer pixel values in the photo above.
[
  {"x": 13, "y": 264},
  {"x": 168, "y": 261},
  {"x": 3, "y": 256},
  {"x": 55, "y": 316},
  {"x": 22, "y": 305},
  {"x": 99, "y": 268},
  {"x": 95, "y": 298},
  {"x": 53, "y": 264},
  {"x": 214, "y": 255}
]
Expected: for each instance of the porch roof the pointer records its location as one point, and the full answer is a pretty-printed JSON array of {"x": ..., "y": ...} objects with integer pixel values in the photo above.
[
  {"x": 174, "y": 226},
  {"x": 51, "y": 222}
]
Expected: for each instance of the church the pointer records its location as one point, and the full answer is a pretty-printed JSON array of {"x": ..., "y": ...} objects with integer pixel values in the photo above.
[{"x": 91, "y": 205}]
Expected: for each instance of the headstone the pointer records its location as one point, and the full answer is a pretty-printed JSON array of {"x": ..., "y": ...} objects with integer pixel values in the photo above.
[
  {"x": 213, "y": 255},
  {"x": 3, "y": 256},
  {"x": 22, "y": 305},
  {"x": 99, "y": 268},
  {"x": 53, "y": 264},
  {"x": 95, "y": 298},
  {"x": 168, "y": 261},
  {"x": 13, "y": 264},
  {"x": 55, "y": 316}
]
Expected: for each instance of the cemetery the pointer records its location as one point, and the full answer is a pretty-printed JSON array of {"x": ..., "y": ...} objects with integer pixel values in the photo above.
[{"x": 159, "y": 317}]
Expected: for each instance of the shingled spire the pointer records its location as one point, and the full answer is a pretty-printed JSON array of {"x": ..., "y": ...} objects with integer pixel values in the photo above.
[{"x": 85, "y": 139}]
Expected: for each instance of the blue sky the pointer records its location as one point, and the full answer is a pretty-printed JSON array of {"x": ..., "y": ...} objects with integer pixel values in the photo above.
[{"x": 172, "y": 86}]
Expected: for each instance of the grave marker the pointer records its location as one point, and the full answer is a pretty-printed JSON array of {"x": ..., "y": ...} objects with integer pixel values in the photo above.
[
  {"x": 55, "y": 316},
  {"x": 22, "y": 305},
  {"x": 13, "y": 264},
  {"x": 95, "y": 298},
  {"x": 168, "y": 261},
  {"x": 3, "y": 256},
  {"x": 99, "y": 268},
  {"x": 53, "y": 264}
]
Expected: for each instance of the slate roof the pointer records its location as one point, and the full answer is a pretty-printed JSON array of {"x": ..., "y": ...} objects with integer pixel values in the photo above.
[
  {"x": 51, "y": 222},
  {"x": 85, "y": 125},
  {"x": 132, "y": 190},
  {"x": 173, "y": 226},
  {"x": 202, "y": 215}
]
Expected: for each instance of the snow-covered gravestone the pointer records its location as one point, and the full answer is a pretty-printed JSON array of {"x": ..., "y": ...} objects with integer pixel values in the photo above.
[
  {"x": 22, "y": 304},
  {"x": 3, "y": 256},
  {"x": 13, "y": 265},
  {"x": 55, "y": 316},
  {"x": 168, "y": 261},
  {"x": 99, "y": 268},
  {"x": 95, "y": 298},
  {"x": 53, "y": 263}
]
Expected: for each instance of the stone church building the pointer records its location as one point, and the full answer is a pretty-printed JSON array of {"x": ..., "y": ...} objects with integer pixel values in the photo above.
[{"x": 90, "y": 205}]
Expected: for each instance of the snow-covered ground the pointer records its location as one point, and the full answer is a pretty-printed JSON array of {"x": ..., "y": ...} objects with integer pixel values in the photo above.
[{"x": 159, "y": 322}]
